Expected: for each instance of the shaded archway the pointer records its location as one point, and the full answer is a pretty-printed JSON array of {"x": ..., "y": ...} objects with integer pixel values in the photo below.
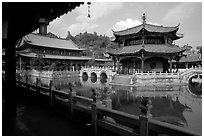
[
  {"x": 84, "y": 76},
  {"x": 103, "y": 77},
  {"x": 93, "y": 77}
]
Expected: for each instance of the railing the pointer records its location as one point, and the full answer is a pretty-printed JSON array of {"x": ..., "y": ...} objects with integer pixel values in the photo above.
[
  {"x": 48, "y": 74},
  {"x": 155, "y": 77},
  {"x": 157, "y": 74},
  {"x": 112, "y": 120},
  {"x": 97, "y": 68}
]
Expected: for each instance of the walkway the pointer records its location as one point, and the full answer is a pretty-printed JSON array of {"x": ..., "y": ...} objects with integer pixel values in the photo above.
[{"x": 38, "y": 119}]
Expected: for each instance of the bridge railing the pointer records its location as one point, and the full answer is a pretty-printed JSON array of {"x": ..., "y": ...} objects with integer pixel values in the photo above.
[
  {"x": 112, "y": 120},
  {"x": 97, "y": 68}
]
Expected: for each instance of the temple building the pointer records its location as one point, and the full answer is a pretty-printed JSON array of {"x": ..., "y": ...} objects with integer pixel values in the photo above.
[
  {"x": 54, "y": 50},
  {"x": 146, "y": 48},
  {"x": 64, "y": 53}
]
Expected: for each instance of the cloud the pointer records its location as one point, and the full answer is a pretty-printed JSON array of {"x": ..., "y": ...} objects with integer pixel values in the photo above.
[
  {"x": 128, "y": 23},
  {"x": 57, "y": 27},
  {"x": 81, "y": 27},
  {"x": 121, "y": 25},
  {"x": 83, "y": 23},
  {"x": 180, "y": 12},
  {"x": 97, "y": 10}
]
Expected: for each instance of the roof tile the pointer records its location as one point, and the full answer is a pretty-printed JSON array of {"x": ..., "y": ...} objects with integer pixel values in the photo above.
[{"x": 45, "y": 41}]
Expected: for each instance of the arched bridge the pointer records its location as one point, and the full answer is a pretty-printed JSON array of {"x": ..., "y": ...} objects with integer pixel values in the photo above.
[
  {"x": 97, "y": 73},
  {"x": 192, "y": 74}
]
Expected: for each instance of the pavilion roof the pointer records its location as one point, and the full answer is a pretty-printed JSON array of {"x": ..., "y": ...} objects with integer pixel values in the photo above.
[
  {"x": 151, "y": 48},
  {"x": 191, "y": 58},
  {"x": 148, "y": 27},
  {"x": 44, "y": 41}
]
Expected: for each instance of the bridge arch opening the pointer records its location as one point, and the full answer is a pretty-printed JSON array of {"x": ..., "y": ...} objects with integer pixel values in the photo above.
[
  {"x": 195, "y": 84},
  {"x": 84, "y": 76},
  {"x": 103, "y": 77},
  {"x": 93, "y": 77}
]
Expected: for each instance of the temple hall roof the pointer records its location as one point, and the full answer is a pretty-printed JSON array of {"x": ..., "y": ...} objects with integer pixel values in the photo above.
[
  {"x": 148, "y": 27},
  {"x": 191, "y": 58},
  {"x": 44, "y": 41},
  {"x": 33, "y": 55},
  {"x": 151, "y": 48}
]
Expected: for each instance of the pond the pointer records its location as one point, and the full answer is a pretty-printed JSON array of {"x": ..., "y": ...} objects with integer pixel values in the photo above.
[{"x": 178, "y": 105}]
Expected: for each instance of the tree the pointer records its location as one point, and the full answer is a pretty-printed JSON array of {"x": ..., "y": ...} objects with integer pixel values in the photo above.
[
  {"x": 91, "y": 62},
  {"x": 37, "y": 62}
]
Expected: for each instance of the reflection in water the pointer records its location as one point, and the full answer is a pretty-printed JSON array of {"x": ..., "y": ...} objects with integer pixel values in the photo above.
[
  {"x": 175, "y": 105},
  {"x": 195, "y": 86}
]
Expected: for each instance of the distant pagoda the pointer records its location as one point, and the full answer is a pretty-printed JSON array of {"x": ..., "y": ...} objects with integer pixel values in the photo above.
[{"x": 146, "y": 48}]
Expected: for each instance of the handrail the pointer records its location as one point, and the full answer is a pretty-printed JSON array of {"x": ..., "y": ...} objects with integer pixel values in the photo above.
[
  {"x": 169, "y": 129},
  {"x": 124, "y": 119},
  {"x": 82, "y": 99}
]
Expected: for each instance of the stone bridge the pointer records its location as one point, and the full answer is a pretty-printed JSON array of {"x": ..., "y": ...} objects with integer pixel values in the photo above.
[
  {"x": 192, "y": 74},
  {"x": 97, "y": 73}
]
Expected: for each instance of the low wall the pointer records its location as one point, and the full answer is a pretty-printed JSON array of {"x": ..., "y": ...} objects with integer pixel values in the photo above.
[{"x": 156, "y": 78}]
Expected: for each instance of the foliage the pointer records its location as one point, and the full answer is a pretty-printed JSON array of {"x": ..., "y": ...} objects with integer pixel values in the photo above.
[
  {"x": 96, "y": 45},
  {"x": 38, "y": 62},
  {"x": 91, "y": 62}
]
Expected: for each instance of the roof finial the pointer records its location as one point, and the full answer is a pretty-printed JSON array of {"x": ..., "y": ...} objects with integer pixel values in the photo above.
[
  {"x": 144, "y": 19},
  {"x": 89, "y": 3}
]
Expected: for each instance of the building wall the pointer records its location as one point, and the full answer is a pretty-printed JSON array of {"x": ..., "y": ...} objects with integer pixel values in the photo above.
[{"x": 153, "y": 65}]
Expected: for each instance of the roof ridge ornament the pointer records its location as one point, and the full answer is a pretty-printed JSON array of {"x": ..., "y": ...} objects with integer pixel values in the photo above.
[
  {"x": 89, "y": 15},
  {"x": 144, "y": 19}
]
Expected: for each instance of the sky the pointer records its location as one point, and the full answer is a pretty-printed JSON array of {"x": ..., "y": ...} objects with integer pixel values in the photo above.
[{"x": 108, "y": 16}]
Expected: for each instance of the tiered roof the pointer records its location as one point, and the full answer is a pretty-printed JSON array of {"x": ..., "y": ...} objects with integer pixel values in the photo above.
[
  {"x": 44, "y": 41},
  {"x": 191, "y": 58},
  {"x": 149, "y": 28},
  {"x": 151, "y": 48}
]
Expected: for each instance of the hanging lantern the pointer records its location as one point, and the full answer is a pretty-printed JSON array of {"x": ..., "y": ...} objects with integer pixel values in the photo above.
[{"x": 89, "y": 3}]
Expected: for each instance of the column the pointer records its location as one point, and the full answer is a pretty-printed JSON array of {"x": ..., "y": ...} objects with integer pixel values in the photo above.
[
  {"x": 142, "y": 64},
  {"x": 171, "y": 65},
  {"x": 186, "y": 65},
  {"x": 10, "y": 72},
  {"x": 117, "y": 65},
  {"x": 114, "y": 65},
  {"x": 20, "y": 63}
]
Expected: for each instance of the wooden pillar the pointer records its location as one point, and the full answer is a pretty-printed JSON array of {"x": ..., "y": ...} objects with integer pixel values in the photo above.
[
  {"x": 171, "y": 65},
  {"x": 114, "y": 64},
  {"x": 118, "y": 65},
  {"x": 20, "y": 63},
  {"x": 10, "y": 74},
  {"x": 186, "y": 64},
  {"x": 142, "y": 63}
]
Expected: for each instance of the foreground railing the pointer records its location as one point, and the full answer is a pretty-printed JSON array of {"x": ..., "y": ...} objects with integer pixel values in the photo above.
[{"x": 115, "y": 121}]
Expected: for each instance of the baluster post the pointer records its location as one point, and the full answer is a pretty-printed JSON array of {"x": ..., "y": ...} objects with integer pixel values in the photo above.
[
  {"x": 27, "y": 81},
  {"x": 71, "y": 94},
  {"x": 37, "y": 88},
  {"x": 145, "y": 115},
  {"x": 52, "y": 95},
  {"x": 94, "y": 113}
]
